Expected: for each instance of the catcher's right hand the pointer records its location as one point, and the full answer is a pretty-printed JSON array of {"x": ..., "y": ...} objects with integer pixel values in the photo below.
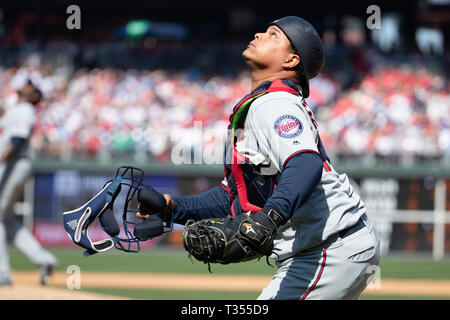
[
  {"x": 151, "y": 201},
  {"x": 232, "y": 239}
]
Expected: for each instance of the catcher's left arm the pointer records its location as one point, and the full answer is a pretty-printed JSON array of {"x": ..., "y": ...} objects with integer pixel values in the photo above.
[
  {"x": 214, "y": 239},
  {"x": 214, "y": 202}
]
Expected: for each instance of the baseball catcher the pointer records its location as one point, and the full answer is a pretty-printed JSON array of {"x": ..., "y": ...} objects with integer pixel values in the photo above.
[{"x": 280, "y": 197}]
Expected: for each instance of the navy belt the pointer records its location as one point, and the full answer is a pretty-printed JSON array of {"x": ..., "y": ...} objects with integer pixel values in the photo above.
[{"x": 351, "y": 230}]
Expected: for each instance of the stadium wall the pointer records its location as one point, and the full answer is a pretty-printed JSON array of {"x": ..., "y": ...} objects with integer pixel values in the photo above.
[{"x": 410, "y": 206}]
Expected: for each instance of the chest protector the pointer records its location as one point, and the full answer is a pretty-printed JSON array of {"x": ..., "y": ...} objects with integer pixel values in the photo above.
[{"x": 247, "y": 188}]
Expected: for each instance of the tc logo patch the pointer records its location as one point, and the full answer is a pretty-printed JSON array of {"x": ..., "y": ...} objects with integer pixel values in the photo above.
[{"x": 288, "y": 126}]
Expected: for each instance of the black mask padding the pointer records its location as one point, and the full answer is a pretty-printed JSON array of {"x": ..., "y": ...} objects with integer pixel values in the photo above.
[
  {"x": 151, "y": 201},
  {"x": 107, "y": 219},
  {"x": 109, "y": 223},
  {"x": 149, "y": 228}
]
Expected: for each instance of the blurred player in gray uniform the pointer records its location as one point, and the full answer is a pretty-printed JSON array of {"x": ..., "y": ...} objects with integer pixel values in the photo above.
[
  {"x": 276, "y": 166},
  {"x": 16, "y": 125}
]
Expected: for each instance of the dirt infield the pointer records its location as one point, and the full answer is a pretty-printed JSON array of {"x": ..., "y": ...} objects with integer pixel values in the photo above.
[
  {"x": 20, "y": 291},
  {"x": 25, "y": 285}
]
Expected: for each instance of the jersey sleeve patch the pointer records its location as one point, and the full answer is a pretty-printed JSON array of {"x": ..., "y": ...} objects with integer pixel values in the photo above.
[{"x": 288, "y": 126}]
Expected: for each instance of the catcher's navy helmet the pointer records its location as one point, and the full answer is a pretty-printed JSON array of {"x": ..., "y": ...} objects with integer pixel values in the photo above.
[
  {"x": 77, "y": 222},
  {"x": 308, "y": 45}
]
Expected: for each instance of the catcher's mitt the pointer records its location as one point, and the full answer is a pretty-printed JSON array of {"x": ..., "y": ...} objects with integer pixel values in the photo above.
[{"x": 232, "y": 239}]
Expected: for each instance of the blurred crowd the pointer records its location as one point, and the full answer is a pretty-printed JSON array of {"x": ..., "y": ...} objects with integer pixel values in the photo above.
[
  {"x": 110, "y": 113},
  {"x": 104, "y": 113},
  {"x": 394, "y": 113}
]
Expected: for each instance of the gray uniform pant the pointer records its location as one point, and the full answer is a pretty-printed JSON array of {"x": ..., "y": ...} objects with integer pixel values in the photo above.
[
  {"x": 341, "y": 268},
  {"x": 13, "y": 177}
]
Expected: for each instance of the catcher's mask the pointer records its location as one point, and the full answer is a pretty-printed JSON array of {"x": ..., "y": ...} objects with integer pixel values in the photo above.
[{"x": 77, "y": 222}]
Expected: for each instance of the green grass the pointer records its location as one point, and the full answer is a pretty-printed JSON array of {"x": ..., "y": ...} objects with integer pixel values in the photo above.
[
  {"x": 398, "y": 297},
  {"x": 155, "y": 294},
  {"x": 172, "y": 260},
  {"x": 411, "y": 267},
  {"x": 153, "y": 261}
]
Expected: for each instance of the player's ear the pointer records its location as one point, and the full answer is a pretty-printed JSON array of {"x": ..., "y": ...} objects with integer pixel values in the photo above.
[{"x": 291, "y": 61}]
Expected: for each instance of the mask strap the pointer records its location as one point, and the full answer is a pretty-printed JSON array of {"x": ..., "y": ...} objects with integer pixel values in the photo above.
[{"x": 112, "y": 189}]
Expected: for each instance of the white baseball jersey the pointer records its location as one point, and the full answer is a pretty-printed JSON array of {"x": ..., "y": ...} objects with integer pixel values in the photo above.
[
  {"x": 18, "y": 121},
  {"x": 277, "y": 127}
]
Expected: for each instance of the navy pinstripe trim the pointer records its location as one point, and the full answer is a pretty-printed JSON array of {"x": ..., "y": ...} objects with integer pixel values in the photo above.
[
  {"x": 324, "y": 255},
  {"x": 6, "y": 173}
]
